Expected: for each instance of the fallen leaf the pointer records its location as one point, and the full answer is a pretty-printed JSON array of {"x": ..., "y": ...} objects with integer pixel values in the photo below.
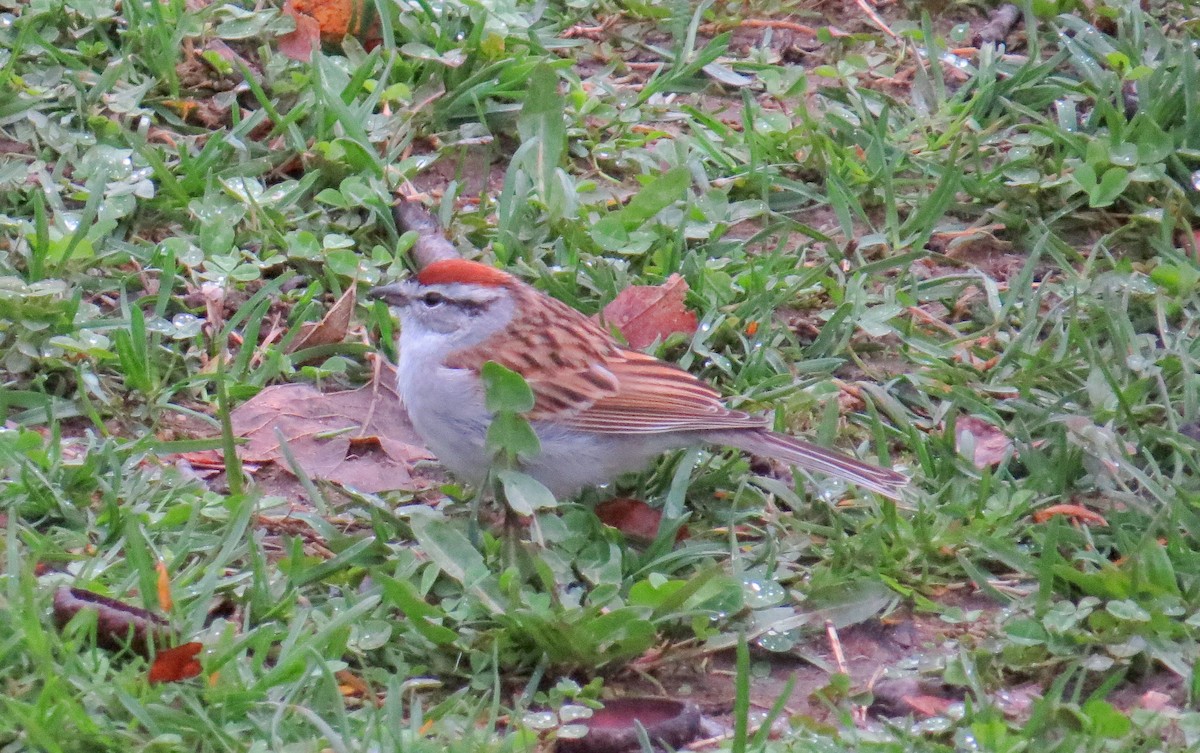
[
  {"x": 117, "y": 624},
  {"x": 928, "y": 705},
  {"x": 335, "y": 19},
  {"x": 646, "y": 313},
  {"x": 300, "y": 43},
  {"x": 634, "y": 518},
  {"x": 331, "y": 329},
  {"x": 360, "y": 438},
  {"x": 1080, "y": 513},
  {"x": 990, "y": 444},
  {"x": 175, "y": 664},
  {"x": 351, "y": 685},
  {"x": 8, "y": 146},
  {"x": 1153, "y": 700}
]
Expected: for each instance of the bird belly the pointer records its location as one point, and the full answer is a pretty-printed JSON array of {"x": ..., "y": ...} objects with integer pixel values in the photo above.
[
  {"x": 571, "y": 459},
  {"x": 447, "y": 411},
  {"x": 446, "y": 407}
]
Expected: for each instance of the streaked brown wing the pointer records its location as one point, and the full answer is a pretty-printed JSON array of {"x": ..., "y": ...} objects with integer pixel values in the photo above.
[
  {"x": 581, "y": 377},
  {"x": 654, "y": 397}
]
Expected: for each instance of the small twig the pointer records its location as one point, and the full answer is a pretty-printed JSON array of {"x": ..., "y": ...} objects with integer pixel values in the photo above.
[
  {"x": 835, "y": 644},
  {"x": 1002, "y": 22},
  {"x": 773, "y": 23},
  {"x": 875, "y": 19},
  {"x": 594, "y": 33},
  {"x": 928, "y": 318},
  {"x": 876, "y": 676},
  {"x": 709, "y": 742}
]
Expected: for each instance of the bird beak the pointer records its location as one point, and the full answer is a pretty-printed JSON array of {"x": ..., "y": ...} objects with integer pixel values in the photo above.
[{"x": 396, "y": 294}]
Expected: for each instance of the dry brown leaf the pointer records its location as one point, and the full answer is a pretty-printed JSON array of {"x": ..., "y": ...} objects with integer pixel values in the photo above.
[
  {"x": 991, "y": 445},
  {"x": 300, "y": 43},
  {"x": 646, "y": 313},
  {"x": 331, "y": 329},
  {"x": 117, "y": 624},
  {"x": 334, "y": 19},
  {"x": 357, "y": 438}
]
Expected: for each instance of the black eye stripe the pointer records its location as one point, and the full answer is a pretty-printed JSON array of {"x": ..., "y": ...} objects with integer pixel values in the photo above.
[{"x": 433, "y": 299}]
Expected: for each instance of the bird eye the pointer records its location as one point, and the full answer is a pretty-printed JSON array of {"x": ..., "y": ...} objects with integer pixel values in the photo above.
[{"x": 433, "y": 300}]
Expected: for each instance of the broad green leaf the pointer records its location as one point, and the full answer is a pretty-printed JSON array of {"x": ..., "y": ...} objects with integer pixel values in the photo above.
[
  {"x": 513, "y": 434},
  {"x": 1114, "y": 181},
  {"x": 645, "y": 204},
  {"x": 525, "y": 494},
  {"x": 420, "y": 613},
  {"x": 505, "y": 389},
  {"x": 1105, "y": 720},
  {"x": 1127, "y": 609},
  {"x": 448, "y": 548},
  {"x": 1157, "y": 569}
]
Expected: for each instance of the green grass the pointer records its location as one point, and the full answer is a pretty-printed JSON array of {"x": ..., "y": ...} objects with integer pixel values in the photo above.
[{"x": 1004, "y": 236}]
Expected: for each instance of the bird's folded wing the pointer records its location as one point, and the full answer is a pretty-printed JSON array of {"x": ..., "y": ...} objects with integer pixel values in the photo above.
[
  {"x": 581, "y": 378},
  {"x": 641, "y": 395}
]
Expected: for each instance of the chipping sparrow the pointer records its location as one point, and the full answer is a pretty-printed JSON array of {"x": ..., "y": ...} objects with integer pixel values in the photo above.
[{"x": 601, "y": 409}]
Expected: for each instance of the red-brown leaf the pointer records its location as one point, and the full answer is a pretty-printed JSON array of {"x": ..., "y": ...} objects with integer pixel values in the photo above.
[
  {"x": 299, "y": 44},
  {"x": 646, "y": 313},
  {"x": 634, "y": 518},
  {"x": 175, "y": 664},
  {"x": 990, "y": 444}
]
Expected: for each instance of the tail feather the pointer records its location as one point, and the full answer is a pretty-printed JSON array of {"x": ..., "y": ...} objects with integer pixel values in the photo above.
[{"x": 813, "y": 457}]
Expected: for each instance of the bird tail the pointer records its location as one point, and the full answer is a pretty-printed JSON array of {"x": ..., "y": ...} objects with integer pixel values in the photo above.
[{"x": 812, "y": 457}]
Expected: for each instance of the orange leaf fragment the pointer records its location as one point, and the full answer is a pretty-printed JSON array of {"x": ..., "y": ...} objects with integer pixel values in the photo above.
[
  {"x": 175, "y": 664},
  {"x": 645, "y": 313},
  {"x": 351, "y": 685},
  {"x": 164, "y": 586},
  {"x": 183, "y": 107},
  {"x": 1078, "y": 512},
  {"x": 334, "y": 19}
]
